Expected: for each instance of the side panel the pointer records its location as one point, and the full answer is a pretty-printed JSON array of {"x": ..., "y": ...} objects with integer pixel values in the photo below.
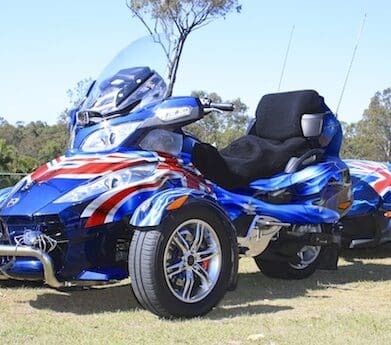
[
  {"x": 154, "y": 209},
  {"x": 237, "y": 205}
]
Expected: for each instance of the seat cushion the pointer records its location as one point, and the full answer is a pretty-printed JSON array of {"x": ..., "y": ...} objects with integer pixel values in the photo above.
[
  {"x": 275, "y": 137},
  {"x": 246, "y": 159},
  {"x": 278, "y": 115}
]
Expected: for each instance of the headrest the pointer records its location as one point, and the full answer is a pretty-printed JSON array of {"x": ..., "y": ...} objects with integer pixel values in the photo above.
[{"x": 279, "y": 114}]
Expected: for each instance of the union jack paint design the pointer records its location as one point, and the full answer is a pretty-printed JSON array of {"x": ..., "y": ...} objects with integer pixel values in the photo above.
[
  {"x": 87, "y": 167},
  {"x": 113, "y": 205},
  {"x": 377, "y": 175},
  {"x": 118, "y": 202}
]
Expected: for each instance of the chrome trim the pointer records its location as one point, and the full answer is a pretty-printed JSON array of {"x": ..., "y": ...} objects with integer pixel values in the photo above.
[
  {"x": 196, "y": 242},
  {"x": 356, "y": 243},
  {"x": 44, "y": 258},
  {"x": 261, "y": 231}
]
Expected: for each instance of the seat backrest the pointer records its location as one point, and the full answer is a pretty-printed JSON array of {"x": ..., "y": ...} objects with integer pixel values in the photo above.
[{"x": 279, "y": 115}]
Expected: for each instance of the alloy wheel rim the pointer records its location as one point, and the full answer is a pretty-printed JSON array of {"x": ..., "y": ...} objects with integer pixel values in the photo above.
[
  {"x": 307, "y": 254},
  {"x": 192, "y": 261}
]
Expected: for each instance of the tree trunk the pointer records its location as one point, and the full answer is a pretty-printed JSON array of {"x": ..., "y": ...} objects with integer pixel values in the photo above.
[{"x": 174, "y": 66}]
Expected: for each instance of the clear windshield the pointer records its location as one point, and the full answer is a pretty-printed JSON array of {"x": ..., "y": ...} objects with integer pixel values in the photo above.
[{"x": 134, "y": 78}]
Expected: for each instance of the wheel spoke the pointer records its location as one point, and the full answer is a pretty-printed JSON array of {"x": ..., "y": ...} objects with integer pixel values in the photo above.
[
  {"x": 198, "y": 238},
  {"x": 175, "y": 269},
  {"x": 202, "y": 274},
  {"x": 207, "y": 254},
  {"x": 181, "y": 243},
  {"x": 189, "y": 284},
  {"x": 192, "y": 260}
]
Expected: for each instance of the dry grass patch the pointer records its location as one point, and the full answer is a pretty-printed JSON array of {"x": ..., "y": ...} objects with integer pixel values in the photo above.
[{"x": 348, "y": 306}]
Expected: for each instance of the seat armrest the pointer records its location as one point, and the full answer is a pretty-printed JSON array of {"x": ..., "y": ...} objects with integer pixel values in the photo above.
[{"x": 295, "y": 163}]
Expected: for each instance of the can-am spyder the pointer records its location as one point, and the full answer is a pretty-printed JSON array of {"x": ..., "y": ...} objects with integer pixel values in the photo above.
[{"x": 136, "y": 195}]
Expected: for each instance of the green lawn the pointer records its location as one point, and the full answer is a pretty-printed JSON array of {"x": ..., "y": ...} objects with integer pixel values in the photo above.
[{"x": 348, "y": 306}]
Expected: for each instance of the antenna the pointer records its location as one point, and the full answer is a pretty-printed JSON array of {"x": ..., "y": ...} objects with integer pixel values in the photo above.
[
  {"x": 286, "y": 58},
  {"x": 351, "y": 63}
]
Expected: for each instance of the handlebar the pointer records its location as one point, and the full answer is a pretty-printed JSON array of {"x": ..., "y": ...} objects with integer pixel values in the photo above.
[
  {"x": 210, "y": 106},
  {"x": 223, "y": 106}
]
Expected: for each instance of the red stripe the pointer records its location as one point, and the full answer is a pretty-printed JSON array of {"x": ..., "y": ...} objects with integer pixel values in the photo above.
[
  {"x": 39, "y": 172},
  {"x": 100, "y": 214},
  {"x": 381, "y": 185},
  {"x": 89, "y": 168}
]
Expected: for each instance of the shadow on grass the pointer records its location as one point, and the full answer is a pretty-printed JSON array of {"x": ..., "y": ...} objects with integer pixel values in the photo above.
[
  {"x": 380, "y": 252},
  {"x": 91, "y": 301},
  {"x": 253, "y": 288}
]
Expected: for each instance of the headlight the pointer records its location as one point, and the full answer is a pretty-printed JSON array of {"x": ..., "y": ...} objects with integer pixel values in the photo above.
[
  {"x": 116, "y": 180},
  {"x": 170, "y": 114},
  {"x": 7, "y": 192},
  {"x": 109, "y": 137},
  {"x": 4, "y": 194}
]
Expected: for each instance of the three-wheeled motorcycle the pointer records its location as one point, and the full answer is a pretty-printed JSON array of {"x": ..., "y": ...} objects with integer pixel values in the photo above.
[
  {"x": 137, "y": 195},
  {"x": 367, "y": 224}
]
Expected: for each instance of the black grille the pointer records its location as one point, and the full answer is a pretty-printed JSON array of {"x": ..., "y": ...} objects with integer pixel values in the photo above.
[
  {"x": 4, "y": 234},
  {"x": 49, "y": 225}
]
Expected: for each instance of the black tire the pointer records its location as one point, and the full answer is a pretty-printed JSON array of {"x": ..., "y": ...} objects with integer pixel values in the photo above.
[
  {"x": 146, "y": 266},
  {"x": 287, "y": 270},
  {"x": 292, "y": 270}
]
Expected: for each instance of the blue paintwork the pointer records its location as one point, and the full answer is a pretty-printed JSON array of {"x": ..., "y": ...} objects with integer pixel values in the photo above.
[
  {"x": 27, "y": 268},
  {"x": 371, "y": 186},
  {"x": 103, "y": 274},
  {"x": 90, "y": 248},
  {"x": 153, "y": 210}
]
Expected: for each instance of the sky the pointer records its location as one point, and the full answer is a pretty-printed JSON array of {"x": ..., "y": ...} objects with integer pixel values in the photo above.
[{"x": 47, "y": 46}]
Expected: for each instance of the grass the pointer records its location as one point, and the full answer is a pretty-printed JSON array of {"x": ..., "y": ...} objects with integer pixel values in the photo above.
[{"x": 348, "y": 306}]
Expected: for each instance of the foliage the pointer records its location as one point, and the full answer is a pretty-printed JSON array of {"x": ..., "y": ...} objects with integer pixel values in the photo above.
[
  {"x": 75, "y": 97},
  {"x": 176, "y": 19},
  {"x": 370, "y": 138},
  {"x": 13, "y": 163},
  {"x": 24, "y": 147},
  {"x": 220, "y": 128}
]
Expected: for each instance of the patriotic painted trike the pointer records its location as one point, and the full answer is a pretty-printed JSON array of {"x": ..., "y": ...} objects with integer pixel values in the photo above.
[
  {"x": 136, "y": 195},
  {"x": 367, "y": 224}
]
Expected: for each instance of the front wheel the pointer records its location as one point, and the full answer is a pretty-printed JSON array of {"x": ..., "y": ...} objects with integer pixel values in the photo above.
[
  {"x": 309, "y": 260},
  {"x": 182, "y": 268}
]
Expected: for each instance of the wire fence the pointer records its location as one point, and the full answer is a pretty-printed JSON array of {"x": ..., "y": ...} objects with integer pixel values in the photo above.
[{"x": 12, "y": 174}]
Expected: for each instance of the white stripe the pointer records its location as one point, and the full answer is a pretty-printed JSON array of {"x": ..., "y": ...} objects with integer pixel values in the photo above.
[
  {"x": 94, "y": 205},
  {"x": 110, "y": 216},
  {"x": 79, "y": 176}
]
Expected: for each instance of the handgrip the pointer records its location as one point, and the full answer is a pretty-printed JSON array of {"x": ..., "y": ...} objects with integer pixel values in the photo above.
[{"x": 222, "y": 106}]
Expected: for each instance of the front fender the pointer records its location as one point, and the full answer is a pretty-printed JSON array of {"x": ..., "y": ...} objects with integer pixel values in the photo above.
[{"x": 154, "y": 209}]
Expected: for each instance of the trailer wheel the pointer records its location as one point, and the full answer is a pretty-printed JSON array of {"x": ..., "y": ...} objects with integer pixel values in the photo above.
[
  {"x": 182, "y": 268},
  {"x": 309, "y": 261}
]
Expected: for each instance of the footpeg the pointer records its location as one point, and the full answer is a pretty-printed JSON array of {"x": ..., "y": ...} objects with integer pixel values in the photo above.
[{"x": 260, "y": 233}]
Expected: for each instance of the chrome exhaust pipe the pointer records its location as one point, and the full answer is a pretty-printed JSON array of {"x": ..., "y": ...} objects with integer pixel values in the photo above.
[{"x": 44, "y": 258}]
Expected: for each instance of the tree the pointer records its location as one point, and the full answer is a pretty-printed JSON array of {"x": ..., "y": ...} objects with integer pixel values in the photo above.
[
  {"x": 7, "y": 155},
  {"x": 12, "y": 163},
  {"x": 376, "y": 124},
  {"x": 75, "y": 97},
  {"x": 355, "y": 145},
  {"x": 220, "y": 129},
  {"x": 176, "y": 19},
  {"x": 370, "y": 138},
  {"x": 51, "y": 149}
]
